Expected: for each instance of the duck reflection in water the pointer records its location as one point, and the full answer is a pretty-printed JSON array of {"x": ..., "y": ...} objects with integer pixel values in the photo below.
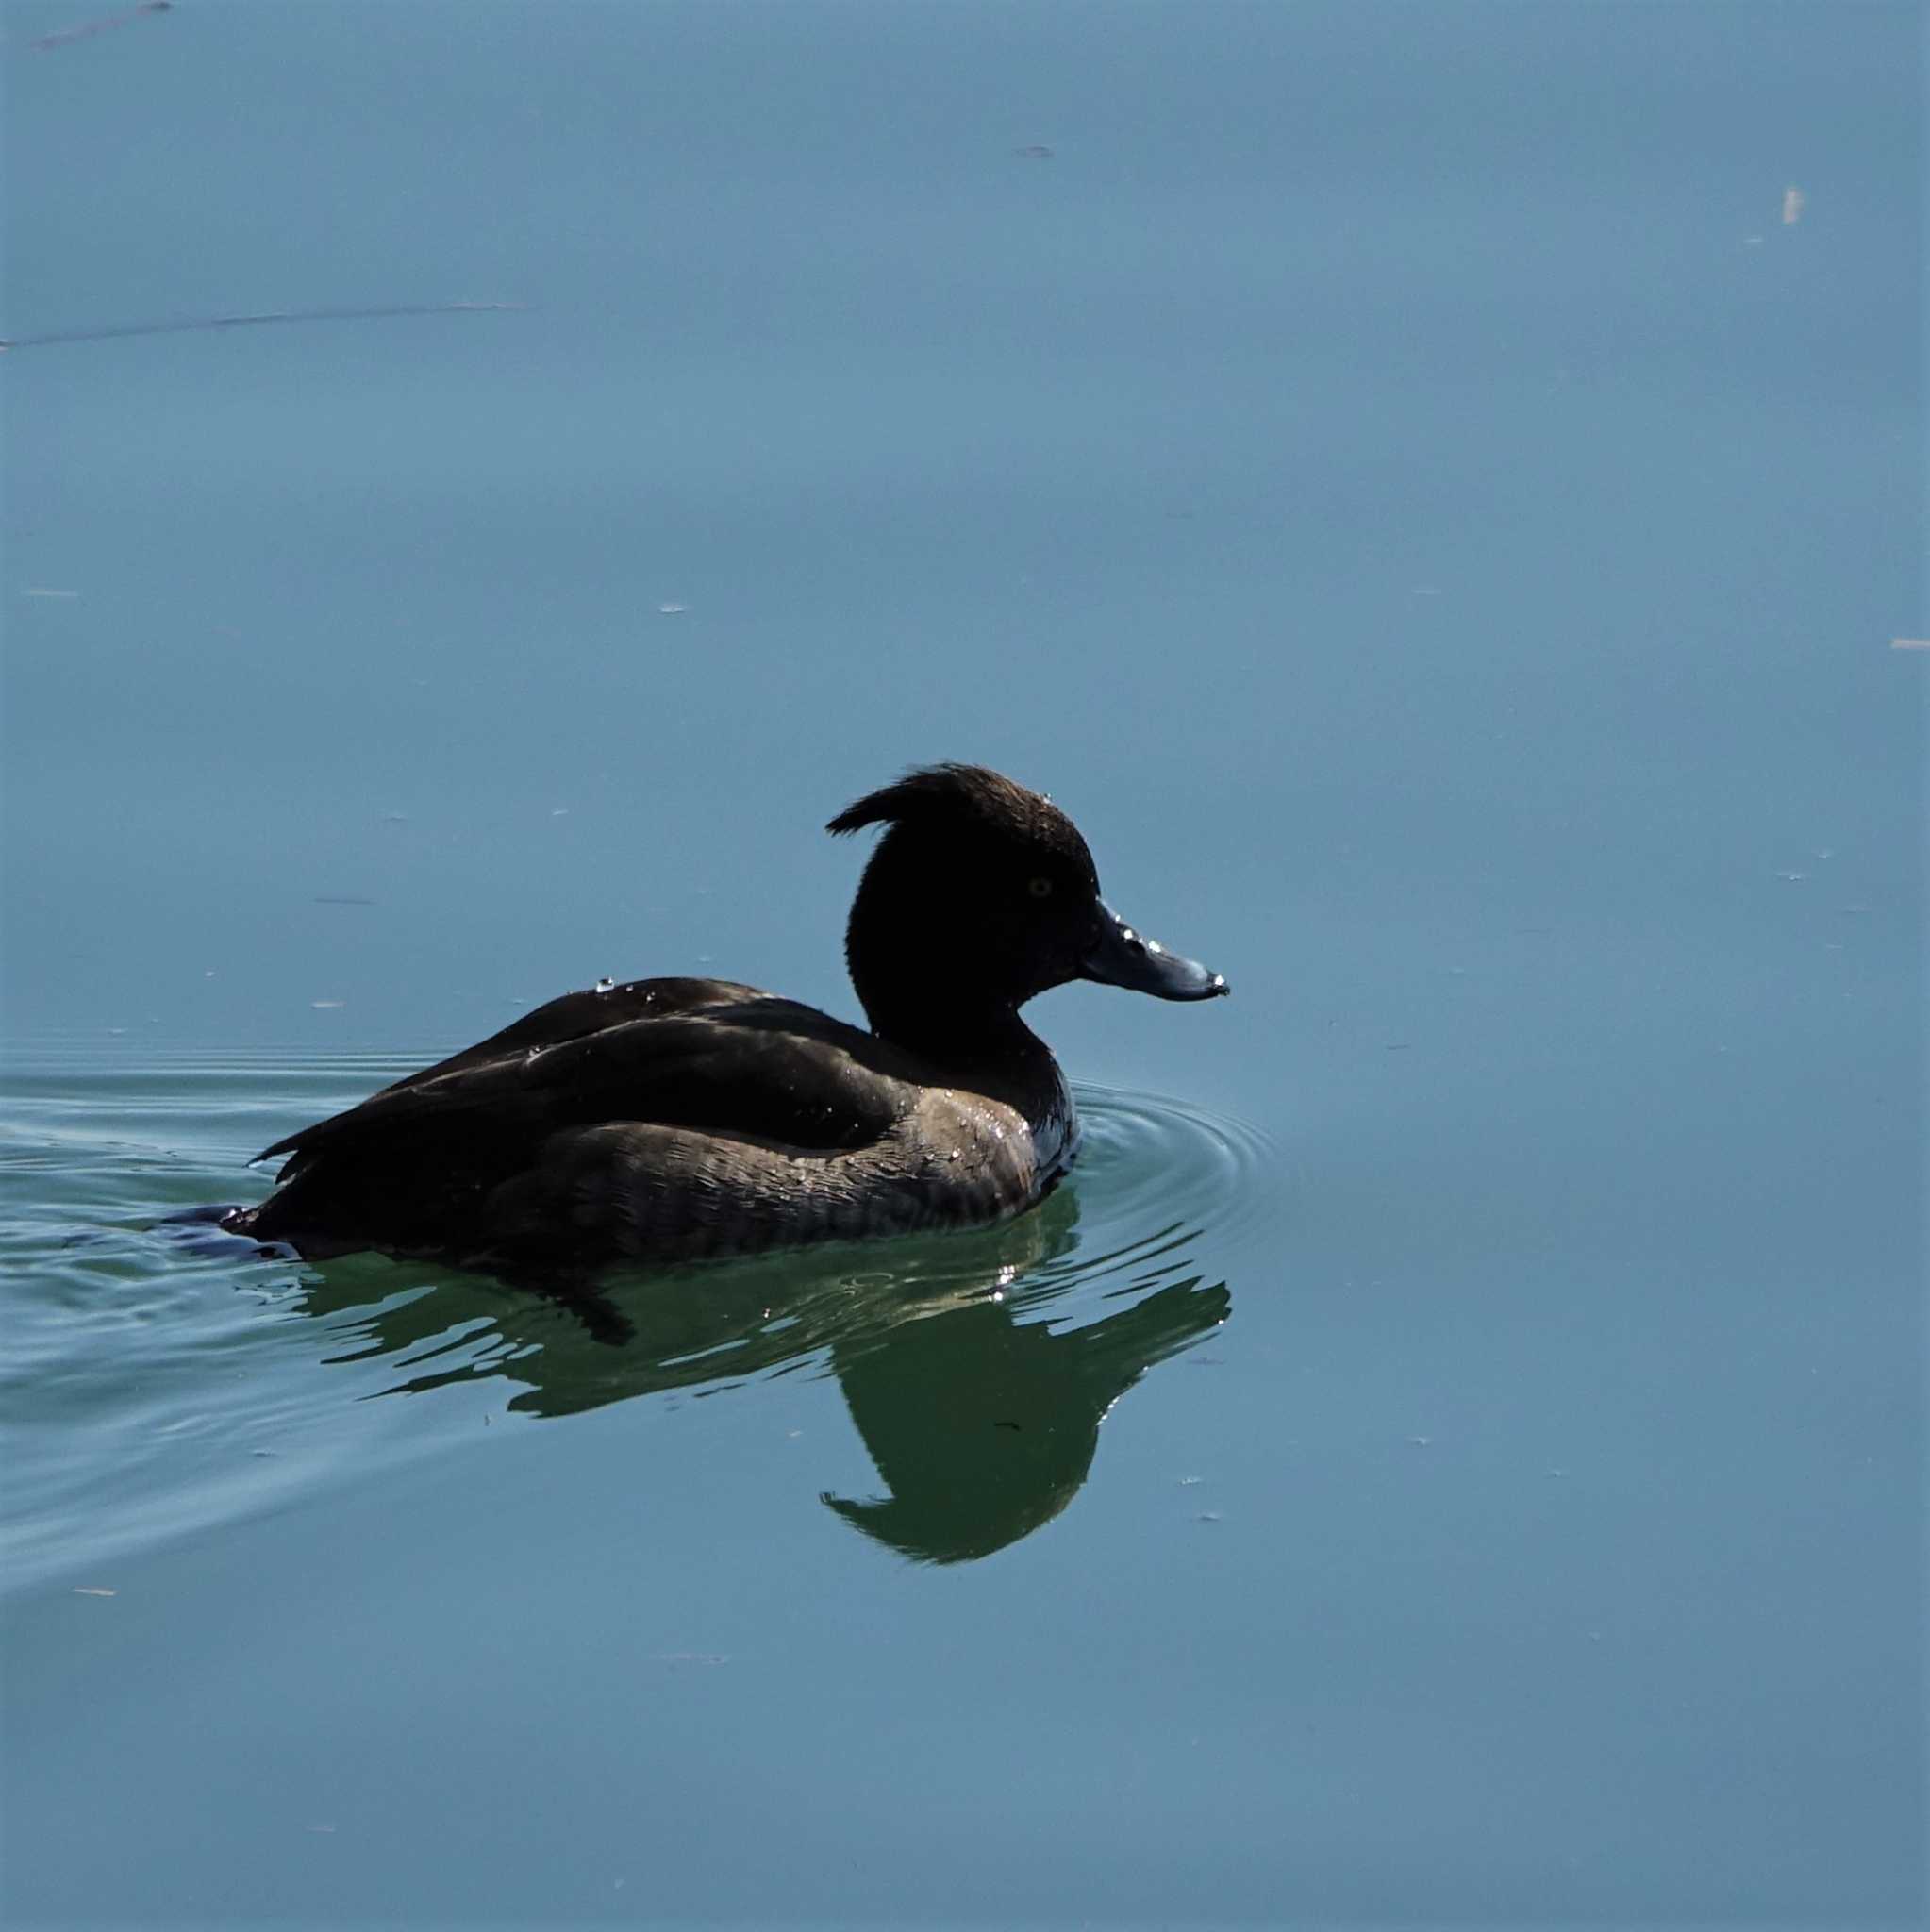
[{"x": 974, "y": 1368}]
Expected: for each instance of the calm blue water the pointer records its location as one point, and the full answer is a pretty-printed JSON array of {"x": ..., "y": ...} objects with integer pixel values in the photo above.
[{"x": 1432, "y": 490}]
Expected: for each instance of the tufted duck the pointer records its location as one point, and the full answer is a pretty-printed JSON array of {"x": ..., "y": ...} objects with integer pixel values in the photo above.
[{"x": 671, "y": 1120}]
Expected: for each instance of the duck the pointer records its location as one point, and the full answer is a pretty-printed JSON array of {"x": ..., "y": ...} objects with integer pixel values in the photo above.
[{"x": 673, "y": 1120}]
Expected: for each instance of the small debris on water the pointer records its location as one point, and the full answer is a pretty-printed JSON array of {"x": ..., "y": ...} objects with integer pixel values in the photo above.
[
  {"x": 41, "y": 591},
  {"x": 93, "y": 1589},
  {"x": 120, "y": 330},
  {"x": 1033, "y": 151},
  {"x": 1793, "y": 203},
  {"x": 672, "y": 609},
  {"x": 327, "y": 1006},
  {"x": 68, "y": 35}
]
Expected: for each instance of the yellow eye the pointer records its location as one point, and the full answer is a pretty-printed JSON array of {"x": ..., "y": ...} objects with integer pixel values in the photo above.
[{"x": 1039, "y": 889}]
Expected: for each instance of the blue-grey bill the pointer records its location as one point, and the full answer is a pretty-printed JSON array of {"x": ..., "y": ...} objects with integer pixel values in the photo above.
[{"x": 1122, "y": 957}]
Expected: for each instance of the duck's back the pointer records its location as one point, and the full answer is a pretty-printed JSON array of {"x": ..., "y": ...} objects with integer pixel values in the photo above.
[{"x": 665, "y": 1118}]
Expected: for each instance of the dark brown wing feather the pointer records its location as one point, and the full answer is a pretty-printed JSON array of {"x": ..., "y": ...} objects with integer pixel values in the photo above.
[
  {"x": 575, "y": 1015},
  {"x": 741, "y": 1062},
  {"x": 706, "y": 1055}
]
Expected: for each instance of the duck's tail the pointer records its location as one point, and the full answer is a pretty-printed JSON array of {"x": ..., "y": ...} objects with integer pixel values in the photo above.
[{"x": 215, "y": 1228}]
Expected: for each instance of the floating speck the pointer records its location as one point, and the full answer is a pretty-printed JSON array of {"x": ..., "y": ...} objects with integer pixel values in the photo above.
[
  {"x": 1910, "y": 644},
  {"x": 1794, "y": 879},
  {"x": 672, "y": 609},
  {"x": 327, "y": 1005},
  {"x": 93, "y": 1589},
  {"x": 87, "y": 29},
  {"x": 1033, "y": 151},
  {"x": 1793, "y": 203},
  {"x": 1422, "y": 1442},
  {"x": 43, "y": 591}
]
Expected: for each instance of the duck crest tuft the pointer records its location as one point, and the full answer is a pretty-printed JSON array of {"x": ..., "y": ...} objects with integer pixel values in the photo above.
[{"x": 935, "y": 795}]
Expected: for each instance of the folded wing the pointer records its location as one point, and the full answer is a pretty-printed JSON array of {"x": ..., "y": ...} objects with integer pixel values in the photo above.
[{"x": 702, "y": 1054}]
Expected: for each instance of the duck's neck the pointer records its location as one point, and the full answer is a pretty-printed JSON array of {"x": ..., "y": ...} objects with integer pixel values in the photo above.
[{"x": 949, "y": 1031}]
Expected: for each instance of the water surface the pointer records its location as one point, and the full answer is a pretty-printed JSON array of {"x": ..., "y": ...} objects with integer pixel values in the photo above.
[{"x": 1432, "y": 490}]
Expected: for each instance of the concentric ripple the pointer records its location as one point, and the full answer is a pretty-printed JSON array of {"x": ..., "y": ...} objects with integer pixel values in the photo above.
[{"x": 1148, "y": 1158}]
